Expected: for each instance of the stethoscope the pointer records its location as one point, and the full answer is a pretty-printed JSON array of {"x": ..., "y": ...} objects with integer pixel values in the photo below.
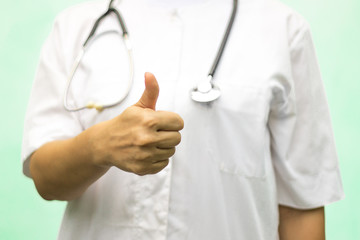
[{"x": 205, "y": 91}]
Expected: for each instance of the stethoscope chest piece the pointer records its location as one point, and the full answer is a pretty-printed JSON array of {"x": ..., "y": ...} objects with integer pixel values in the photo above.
[{"x": 205, "y": 91}]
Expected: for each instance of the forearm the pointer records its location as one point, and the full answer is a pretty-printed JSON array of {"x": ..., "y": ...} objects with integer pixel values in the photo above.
[
  {"x": 140, "y": 140},
  {"x": 63, "y": 170},
  {"x": 301, "y": 224}
]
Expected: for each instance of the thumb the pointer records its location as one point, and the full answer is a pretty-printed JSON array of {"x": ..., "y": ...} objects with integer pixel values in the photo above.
[{"x": 151, "y": 92}]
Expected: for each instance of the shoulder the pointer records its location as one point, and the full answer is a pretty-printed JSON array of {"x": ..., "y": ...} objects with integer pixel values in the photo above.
[
  {"x": 82, "y": 10},
  {"x": 279, "y": 15},
  {"x": 279, "y": 11},
  {"x": 273, "y": 21},
  {"x": 72, "y": 25},
  {"x": 78, "y": 16}
]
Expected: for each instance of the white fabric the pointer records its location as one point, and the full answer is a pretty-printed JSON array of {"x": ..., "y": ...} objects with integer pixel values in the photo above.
[{"x": 266, "y": 141}]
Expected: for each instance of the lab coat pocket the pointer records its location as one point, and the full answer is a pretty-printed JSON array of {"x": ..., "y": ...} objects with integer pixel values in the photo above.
[{"x": 239, "y": 123}]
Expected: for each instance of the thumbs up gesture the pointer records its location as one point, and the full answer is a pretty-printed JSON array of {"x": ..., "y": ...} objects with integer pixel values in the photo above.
[
  {"x": 140, "y": 140},
  {"x": 151, "y": 93}
]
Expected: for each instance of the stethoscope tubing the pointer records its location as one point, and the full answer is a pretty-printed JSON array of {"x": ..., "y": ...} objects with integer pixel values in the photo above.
[
  {"x": 224, "y": 40},
  {"x": 78, "y": 59},
  {"x": 205, "y": 91},
  {"x": 91, "y": 38}
]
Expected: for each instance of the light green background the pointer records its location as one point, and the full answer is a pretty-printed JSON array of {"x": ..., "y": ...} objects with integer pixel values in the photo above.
[{"x": 24, "y": 26}]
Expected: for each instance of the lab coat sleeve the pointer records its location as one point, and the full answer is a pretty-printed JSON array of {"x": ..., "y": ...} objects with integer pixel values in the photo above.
[
  {"x": 302, "y": 142},
  {"x": 46, "y": 119}
]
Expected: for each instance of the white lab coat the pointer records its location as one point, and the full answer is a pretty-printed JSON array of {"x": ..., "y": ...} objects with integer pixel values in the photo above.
[{"x": 266, "y": 141}]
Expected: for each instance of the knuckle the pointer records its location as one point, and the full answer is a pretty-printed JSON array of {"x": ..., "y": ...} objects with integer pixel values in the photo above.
[
  {"x": 159, "y": 169},
  {"x": 149, "y": 120},
  {"x": 171, "y": 152},
  {"x": 135, "y": 169},
  {"x": 166, "y": 162},
  {"x": 180, "y": 121},
  {"x": 143, "y": 139},
  {"x": 182, "y": 124},
  {"x": 178, "y": 138},
  {"x": 141, "y": 156},
  {"x": 161, "y": 166},
  {"x": 139, "y": 170},
  {"x": 141, "y": 174}
]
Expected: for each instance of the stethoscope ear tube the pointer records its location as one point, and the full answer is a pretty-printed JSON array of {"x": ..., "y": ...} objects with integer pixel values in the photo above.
[
  {"x": 91, "y": 38},
  {"x": 97, "y": 22}
]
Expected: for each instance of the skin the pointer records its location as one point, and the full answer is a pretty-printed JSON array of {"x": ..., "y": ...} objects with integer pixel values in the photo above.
[
  {"x": 298, "y": 224},
  {"x": 140, "y": 140}
]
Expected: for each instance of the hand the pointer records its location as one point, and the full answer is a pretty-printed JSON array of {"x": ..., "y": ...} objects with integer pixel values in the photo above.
[{"x": 140, "y": 140}]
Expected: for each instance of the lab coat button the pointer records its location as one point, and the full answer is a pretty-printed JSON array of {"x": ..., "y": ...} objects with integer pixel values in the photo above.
[{"x": 174, "y": 16}]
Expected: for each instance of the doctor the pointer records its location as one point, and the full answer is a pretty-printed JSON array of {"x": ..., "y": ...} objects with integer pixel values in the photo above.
[{"x": 257, "y": 163}]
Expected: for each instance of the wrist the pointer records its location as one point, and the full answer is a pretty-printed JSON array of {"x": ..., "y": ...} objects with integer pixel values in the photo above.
[{"x": 89, "y": 142}]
